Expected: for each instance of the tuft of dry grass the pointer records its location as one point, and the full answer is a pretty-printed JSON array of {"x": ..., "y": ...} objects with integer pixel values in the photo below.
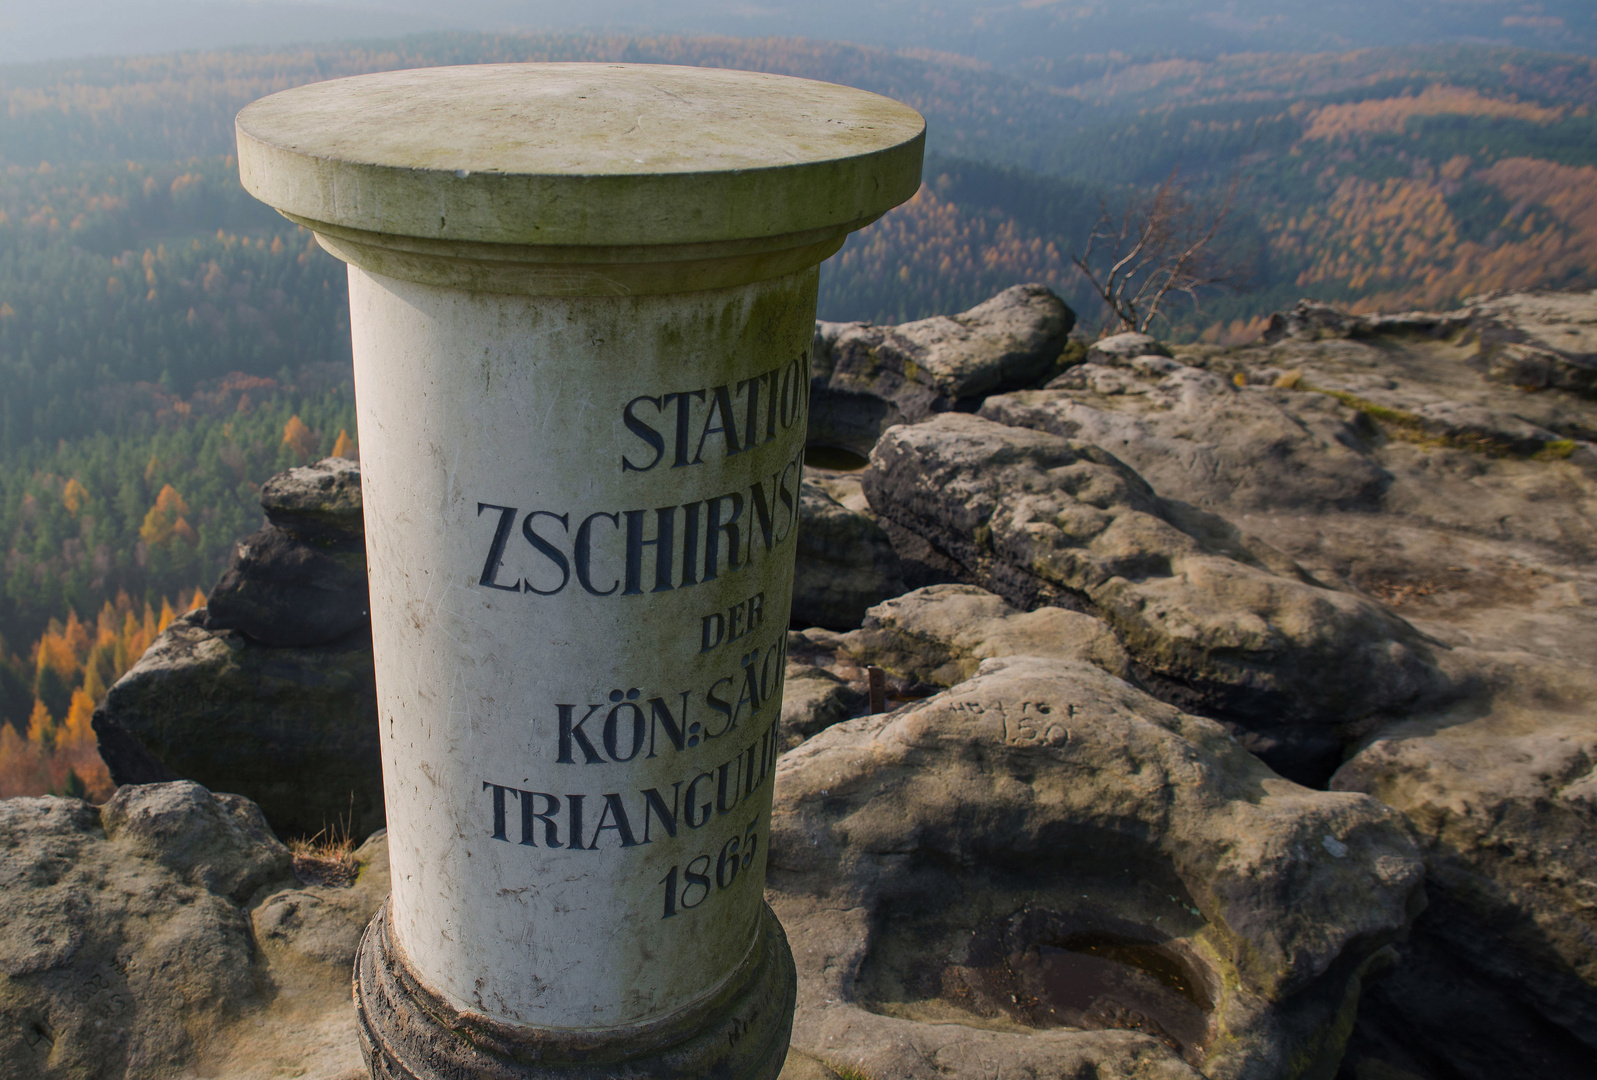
[
  {"x": 1398, "y": 593},
  {"x": 848, "y": 1072},
  {"x": 328, "y": 856}
]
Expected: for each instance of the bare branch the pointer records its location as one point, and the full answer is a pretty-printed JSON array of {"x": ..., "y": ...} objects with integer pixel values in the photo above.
[{"x": 1162, "y": 246}]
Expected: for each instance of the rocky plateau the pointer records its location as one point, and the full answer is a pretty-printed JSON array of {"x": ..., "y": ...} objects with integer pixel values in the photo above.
[{"x": 1238, "y": 724}]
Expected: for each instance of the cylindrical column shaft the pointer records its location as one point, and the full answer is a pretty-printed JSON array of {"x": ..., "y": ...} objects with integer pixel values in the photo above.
[{"x": 580, "y": 594}]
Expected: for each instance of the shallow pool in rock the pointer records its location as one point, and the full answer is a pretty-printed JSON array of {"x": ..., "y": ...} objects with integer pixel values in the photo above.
[
  {"x": 1046, "y": 966},
  {"x": 1099, "y": 981}
]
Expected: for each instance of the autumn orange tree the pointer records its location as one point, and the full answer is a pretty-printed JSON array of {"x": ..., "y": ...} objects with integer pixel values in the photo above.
[{"x": 73, "y": 664}]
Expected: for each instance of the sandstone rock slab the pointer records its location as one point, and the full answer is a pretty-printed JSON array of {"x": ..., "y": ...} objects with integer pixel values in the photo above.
[
  {"x": 845, "y": 563},
  {"x": 814, "y": 699},
  {"x": 1040, "y": 519},
  {"x": 1312, "y": 320},
  {"x": 126, "y": 946},
  {"x": 301, "y": 580},
  {"x": 1201, "y": 438},
  {"x": 940, "y": 635},
  {"x": 1540, "y": 340},
  {"x": 316, "y": 502},
  {"x": 294, "y": 729},
  {"x": 284, "y": 591},
  {"x": 1503, "y": 796},
  {"x": 1118, "y": 350},
  {"x": 925, "y": 861},
  {"x": 865, "y": 378},
  {"x": 153, "y": 938},
  {"x": 1467, "y": 456}
]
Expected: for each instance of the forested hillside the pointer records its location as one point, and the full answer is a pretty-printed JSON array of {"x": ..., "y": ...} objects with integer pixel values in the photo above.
[
  {"x": 1358, "y": 171},
  {"x": 123, "y": 285},
  {"x": 155, "y": 512},
  {"x": 166, "y": 342}
]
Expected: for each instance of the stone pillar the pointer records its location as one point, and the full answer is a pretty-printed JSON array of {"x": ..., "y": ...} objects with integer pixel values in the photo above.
[{"x": 582, "y": 298}]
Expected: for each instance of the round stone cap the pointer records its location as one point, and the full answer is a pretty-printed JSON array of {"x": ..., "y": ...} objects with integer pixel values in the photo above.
[{"x": 580, "y": 154}]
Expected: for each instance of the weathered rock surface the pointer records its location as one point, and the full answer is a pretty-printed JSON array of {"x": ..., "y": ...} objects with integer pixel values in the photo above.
[
  {"x": 270, "y": 689},
  {"x": 1481, "y": 530},
  {"x": 1311, "y": 320},
  {"x": 1521, "y": 342},
  {"x": 1118, "y": 350},
  {"x": 294, "y": 728},
  {"x": 306, "y": 935},
  {"x": 1396, "y": 457},
  {"x": 128, "y": 953},
  {"x": 927, "y": 864},
  {"x": 925, "y": 641},
  {"x": 813, "y": 699},
  {"x": 1540, "y": 340},
  {"x": 1480, "y": 422},
  {"x": 280, "y": 590},
  {"x": 866, "y": 378},
  {"x": 316, "y": 502},
  {"x": 300, "y": 580},
  {"x": 1196, "y": 436},
  {"x": 845, "y": 562},
  {"x": 1505, "y": 804},
  {"x": 1041, "y": 519},
  {"x": 939, "y": 635}
]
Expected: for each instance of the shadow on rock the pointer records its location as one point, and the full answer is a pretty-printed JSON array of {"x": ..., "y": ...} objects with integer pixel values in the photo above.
[
  {"x": 149, "y": 938},
  {"x": 270, "y": 690},
  {"x": 1150, "y": 898}
]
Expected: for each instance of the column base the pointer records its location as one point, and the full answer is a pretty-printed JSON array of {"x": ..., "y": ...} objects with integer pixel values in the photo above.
[{"x": 408, "y": 1033}]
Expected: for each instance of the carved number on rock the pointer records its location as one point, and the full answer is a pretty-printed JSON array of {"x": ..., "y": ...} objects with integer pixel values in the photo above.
[
  {"x": 99, "y": 990},
  {"x": 1034, "y": 723}
]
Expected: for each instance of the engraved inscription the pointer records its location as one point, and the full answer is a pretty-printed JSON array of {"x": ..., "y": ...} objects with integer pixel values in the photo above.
[
  {"x": 714, "y": 734},
  {"x": 697, "y": 882},
  {"x": 653, "y": 549},
  {"x": 739, "y": 415},
  {"x": 1032, "y": 723},
  {"x": 640, "y": 551},
  {"x": 587, "y": 821}
]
